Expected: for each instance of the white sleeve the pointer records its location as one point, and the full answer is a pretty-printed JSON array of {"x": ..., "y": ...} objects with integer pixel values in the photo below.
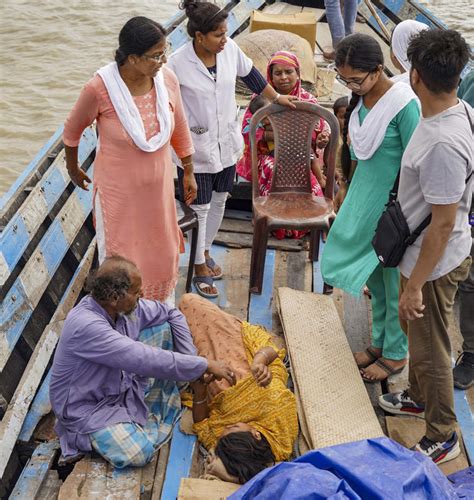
[
  {"x": 443, "y": 174},
  {"x": 244, "y": 63}
]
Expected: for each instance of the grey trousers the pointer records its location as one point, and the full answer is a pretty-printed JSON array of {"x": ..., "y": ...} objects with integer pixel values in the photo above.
[{"x": 466, "y": 306}]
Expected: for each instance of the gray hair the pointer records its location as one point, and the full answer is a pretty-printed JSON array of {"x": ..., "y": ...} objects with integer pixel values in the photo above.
[{"x": 111, "y": 280}]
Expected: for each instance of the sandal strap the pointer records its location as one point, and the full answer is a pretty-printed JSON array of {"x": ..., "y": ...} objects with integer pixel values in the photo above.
[
  {"x": 371, "y": 353},
  {"x": 386, "y": 368},
  {"x": 206, "y": 280}
]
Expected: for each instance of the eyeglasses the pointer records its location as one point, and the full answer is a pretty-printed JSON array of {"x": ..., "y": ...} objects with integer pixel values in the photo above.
[
  {"x": 160, "y": 57},
  {"x": 352, "y": 84}
]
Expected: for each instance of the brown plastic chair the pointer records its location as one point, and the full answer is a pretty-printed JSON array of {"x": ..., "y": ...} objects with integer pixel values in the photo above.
[
  {"x": 189, "y": 222},
  {"x": 290, "y": 203}
]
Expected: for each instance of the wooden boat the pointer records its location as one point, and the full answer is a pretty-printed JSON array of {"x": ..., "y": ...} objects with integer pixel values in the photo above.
[{"x": 47, "y": 250}]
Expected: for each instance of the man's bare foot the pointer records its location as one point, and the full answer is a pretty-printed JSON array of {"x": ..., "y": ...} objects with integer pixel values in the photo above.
[
  {"x": 382, "y": 369},
  {"x": 367, "y": 357},
  {"x": 203, "y": 270}
]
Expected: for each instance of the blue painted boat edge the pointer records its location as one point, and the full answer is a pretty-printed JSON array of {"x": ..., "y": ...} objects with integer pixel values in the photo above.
[
  {"x": 35, "y": 471},
  {"x": 59, "y": 247},
  {"x": 40, "y": 407},
  {"x": 16, "y": 236},
  {"x": 30, "y": 168},
  {"x": 179, "y": 462}
]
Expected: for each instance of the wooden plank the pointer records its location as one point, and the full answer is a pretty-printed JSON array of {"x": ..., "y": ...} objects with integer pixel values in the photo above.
[
  {"x": 236, "y": 267},
  {"x": 409, "y": 430},
  {"x": 25, "y": 223},
  {"x": 35, "y": 471},
  {"x": 318, "y": 282},
  {"x": 87, "y": 480},
  {"x": 25, "y": 294},
  {"x": 12, "y": 421},
  {"x": 123, "y": 483},
  {"x": 236, "y": 226},
  {"x": 50, "y": 488},
  {"x": 261, "y": 306},
  {"x": 160, "y": 471},
  {"x": 242, "y": 240},
  {"x": 237, "y": 214},
  {"x": 148, "y": 478},
  {"x": 179, "y": 462}
]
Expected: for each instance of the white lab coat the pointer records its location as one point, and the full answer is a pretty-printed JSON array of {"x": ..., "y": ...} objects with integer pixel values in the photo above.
[{"x": 211, "y": 105}]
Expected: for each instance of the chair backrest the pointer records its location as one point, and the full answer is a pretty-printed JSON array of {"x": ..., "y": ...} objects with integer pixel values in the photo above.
[{"x": 293, "y": 130}]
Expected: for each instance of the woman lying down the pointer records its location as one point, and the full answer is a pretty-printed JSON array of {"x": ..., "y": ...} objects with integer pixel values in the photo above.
[{"x": 250, "y": 425}]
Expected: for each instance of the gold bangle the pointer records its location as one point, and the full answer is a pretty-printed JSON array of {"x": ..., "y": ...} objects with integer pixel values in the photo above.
[{"x": 265, "y": 354}]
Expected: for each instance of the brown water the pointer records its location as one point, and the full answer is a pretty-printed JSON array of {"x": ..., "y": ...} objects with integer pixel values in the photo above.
[{"x": 50, "y": 48}]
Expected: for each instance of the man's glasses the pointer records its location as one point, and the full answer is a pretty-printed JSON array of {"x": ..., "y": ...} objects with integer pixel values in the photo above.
[{"x": 159, "y": 58}]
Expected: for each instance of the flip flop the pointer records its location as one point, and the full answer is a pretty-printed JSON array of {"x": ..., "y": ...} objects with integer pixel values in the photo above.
[
  {"x": 372, "y": 357},
  {"x": 211, "y": 264},
  {"x": 207, "y": 281},
  {"x": 387, "y": 369}
]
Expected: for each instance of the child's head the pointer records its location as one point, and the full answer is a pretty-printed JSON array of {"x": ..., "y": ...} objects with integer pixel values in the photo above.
[
  {"x": 257, "y": 103},
  {"x": 340, "y": 108}
]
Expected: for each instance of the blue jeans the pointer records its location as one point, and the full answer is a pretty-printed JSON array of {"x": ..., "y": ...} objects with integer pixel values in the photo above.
[{"x": 338, "y": 25}]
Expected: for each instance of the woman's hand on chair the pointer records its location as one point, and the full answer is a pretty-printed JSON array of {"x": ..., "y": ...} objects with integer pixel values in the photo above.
[
  {"x": 261, "y": 373},
  {"x": 287, "y": 100}
]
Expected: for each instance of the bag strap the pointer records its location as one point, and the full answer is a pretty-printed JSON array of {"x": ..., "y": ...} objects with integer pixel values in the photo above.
[{"x": 392, "y": 195}]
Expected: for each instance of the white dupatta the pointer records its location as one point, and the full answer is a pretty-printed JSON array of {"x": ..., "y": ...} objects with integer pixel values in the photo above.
[
  {"x": 127, "y": 110},
  {"x": 366, "y": 138}
]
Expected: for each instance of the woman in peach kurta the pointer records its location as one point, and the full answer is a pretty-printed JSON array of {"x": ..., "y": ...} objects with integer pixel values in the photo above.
[{"x": 134, "y": 204}]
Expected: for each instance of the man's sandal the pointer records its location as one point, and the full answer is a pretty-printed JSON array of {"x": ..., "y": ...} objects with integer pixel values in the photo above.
[
  {"x": 203, "y": 282},
  {"x": 386, "y": 368},
  {"x": 211, "y": 264},
  {"x": 372, "y": 355}
]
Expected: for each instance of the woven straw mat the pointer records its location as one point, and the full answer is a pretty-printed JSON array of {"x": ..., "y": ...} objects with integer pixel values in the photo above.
[{"x": 333, "y": 404}]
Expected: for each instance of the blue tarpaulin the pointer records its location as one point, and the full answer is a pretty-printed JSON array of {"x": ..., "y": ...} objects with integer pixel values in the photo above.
[{"x": 368, "y": 469}]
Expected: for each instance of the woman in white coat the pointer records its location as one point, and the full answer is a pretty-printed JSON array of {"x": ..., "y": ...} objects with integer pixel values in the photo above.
[{"x": 207, "y": 68}]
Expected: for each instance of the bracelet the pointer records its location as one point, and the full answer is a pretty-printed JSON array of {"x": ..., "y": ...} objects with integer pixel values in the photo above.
[
  {"x": 275, "y": 99},
  {"x": 200, "y": 402},
  {"x": 265, "y": 354},
  {"x": 189, "y": 164}
]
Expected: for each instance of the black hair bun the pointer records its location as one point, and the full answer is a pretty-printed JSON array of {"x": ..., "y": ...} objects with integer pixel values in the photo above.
[{"x": 189, "y": 6}]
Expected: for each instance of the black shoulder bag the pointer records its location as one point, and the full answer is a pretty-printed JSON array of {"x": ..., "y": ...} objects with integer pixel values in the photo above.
[{"x": 392, "y": 235}]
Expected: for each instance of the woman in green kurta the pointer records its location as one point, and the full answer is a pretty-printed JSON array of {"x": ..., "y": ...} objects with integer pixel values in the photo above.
[{"x": 380, "y": 120}]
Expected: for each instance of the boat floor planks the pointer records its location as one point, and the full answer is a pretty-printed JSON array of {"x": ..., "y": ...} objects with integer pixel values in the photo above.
[
  {"x": 408, "y": 430},
  {"x": 160, "y": 471}
]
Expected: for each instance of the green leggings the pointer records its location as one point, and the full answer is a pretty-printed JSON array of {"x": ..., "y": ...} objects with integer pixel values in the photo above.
[{"x": 387, "y": 333}]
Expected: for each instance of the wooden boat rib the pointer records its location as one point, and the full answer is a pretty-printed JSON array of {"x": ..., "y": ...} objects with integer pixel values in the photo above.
[{"x": 47, "y": 250}]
